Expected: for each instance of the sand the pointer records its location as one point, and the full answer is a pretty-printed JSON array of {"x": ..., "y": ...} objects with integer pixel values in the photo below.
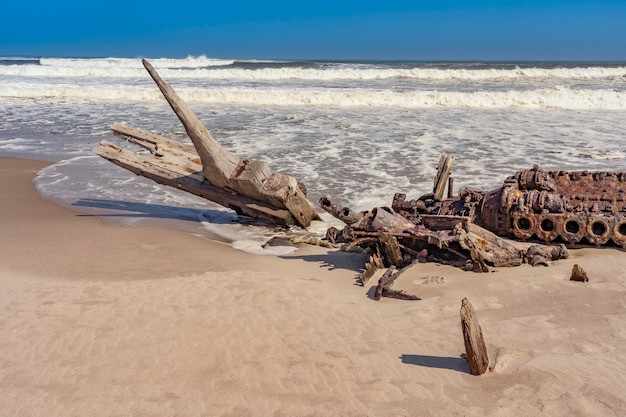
[{"x": 98, "y": 320}]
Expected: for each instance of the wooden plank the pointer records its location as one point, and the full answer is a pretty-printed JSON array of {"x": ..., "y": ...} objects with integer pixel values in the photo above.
[
  {"x": 474, "y": 342},
  {"x": 443, "y": 172},
  {"x": 123, "y": 131},
  {"x": 390, "y": 249},
  {"x": 154, "y": 169},
  {"x": 374, "y": 264}
]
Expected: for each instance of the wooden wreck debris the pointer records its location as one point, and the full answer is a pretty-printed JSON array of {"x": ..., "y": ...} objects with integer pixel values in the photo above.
[
  {"x": 374, "y": 263},
  {"x": 209, "y": 170},
  {"x": 450, "y": 240},
  {"x": 578, "y": 274},
  {"x": 473, "y": 337},
  {"x": 443, "y": 173},
  {"x": 430, "y": 229},
  {"x": 391, "y": 249},
  {"x": 383, "y": 289}
]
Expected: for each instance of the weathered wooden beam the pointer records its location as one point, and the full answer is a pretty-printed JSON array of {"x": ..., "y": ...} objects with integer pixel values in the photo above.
[
  {"x": 390, "y": 249},
  {"x": 169, "y": 153},
  {"x": 474, "y": 342},
  {"x": 153, "y": 142},
  {"x": 187, "y": 179},
  {"x": 374, "y": 263},
  {"x": 443, "y": 172},
  {"x": 218, "y": 163}
]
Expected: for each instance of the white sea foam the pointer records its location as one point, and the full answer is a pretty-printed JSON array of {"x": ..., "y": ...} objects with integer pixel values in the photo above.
[{"x": 17, "y": 144}]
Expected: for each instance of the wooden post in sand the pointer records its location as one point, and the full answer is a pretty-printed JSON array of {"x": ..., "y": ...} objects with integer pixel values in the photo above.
[
  {"x": 474, "y": 342},
  {"x": 443, "y": 172}
]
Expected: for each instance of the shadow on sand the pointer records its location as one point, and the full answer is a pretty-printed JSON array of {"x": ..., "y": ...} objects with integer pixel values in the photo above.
[
  {"x": 335, "y": 260},
  {"x": 153, "y": 211},
  {"x": 456, "y": 364}
]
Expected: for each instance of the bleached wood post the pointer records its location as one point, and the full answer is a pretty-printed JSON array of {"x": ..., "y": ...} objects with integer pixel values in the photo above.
[
  {"x": 474, "y": 342},
  {"x": 443, "y": 172}
]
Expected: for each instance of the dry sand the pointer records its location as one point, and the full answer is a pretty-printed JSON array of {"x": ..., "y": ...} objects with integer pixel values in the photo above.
[{"x": 99, "y": 320}]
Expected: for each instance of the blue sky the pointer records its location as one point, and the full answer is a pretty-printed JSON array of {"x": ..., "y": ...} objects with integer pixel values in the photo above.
[{"x": 321, "y": 29}]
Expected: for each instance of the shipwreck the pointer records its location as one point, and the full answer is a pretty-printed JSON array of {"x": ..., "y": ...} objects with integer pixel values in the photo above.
[
  {"x": 208, "y": 170},
  {"x": 558, "y": 209}
]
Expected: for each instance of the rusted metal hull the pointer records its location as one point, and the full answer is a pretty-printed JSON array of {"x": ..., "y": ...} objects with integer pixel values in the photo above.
[
  {"x": 571, "y": 207},
  {"x": 549, "y": 205}
]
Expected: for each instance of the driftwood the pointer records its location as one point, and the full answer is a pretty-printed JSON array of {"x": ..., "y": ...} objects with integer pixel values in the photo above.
[
  {"x": 209, "y": 170},
  {"x": 474, "y": 343}
]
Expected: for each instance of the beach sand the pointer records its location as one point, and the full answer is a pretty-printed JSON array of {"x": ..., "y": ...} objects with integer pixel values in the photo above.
[{"x": 99, "y": 320}]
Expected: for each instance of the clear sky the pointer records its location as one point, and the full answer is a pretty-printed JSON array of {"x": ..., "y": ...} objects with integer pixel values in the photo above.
[{"x": 320, "y": 29}]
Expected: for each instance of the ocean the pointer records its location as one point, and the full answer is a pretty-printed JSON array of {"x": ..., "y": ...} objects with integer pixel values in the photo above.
[{"x": 357, "y": 132}]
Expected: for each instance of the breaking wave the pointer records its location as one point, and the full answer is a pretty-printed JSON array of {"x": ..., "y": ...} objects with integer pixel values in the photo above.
[
  {"x": 548, "y": 98},
  {"x": 210, "y": 68}
]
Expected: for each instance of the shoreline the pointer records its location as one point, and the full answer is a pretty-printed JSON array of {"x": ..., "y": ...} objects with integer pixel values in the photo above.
[{"x": 143, "y": 321}]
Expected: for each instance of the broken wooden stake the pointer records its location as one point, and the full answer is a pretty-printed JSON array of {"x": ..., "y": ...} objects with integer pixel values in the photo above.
[
  {"x": 474, "y": 342},
  {"x": 443, "y": 172},
  {"x": 374, "y": 263},
  {"x": 391, "y": 249}
]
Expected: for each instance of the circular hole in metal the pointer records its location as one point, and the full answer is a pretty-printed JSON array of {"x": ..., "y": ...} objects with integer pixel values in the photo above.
[
  {"x": 572, "y": 226},
  {"x": 547, "y": 225},
  {"x": 598, "y": 228},
  {"x": 523, "y": 223},
  {"x": 622, "y": 229}
]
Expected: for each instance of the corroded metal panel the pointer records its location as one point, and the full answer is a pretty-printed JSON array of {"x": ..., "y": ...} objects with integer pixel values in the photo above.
[{"x": 572, "y": 207}]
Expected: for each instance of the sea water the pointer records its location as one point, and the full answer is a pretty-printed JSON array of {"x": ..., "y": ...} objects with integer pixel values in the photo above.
[{"x": 357, "y": 132}]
